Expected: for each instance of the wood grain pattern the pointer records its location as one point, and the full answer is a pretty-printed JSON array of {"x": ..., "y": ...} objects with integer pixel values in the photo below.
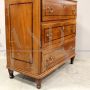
[
  {"x": 21, "y": 28},
  {"x": 58, "y": 10},
  {"x": 51, "y": 59},
  {"x": 40, "y": 36}
]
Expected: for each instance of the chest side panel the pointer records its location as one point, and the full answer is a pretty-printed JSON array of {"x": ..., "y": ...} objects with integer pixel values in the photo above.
[{"x": 21, "y": 31}]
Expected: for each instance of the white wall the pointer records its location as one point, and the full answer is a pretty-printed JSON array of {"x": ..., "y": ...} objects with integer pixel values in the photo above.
[
  {"x": 2, "y": 28},
  {"x": 83, "y": 29}
]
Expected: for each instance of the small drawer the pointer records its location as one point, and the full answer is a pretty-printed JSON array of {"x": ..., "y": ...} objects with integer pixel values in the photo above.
[
  {"x": 51, "y": 34},
  {"x": 69, "y": 29},
  {"x": 69, "y": 8},
  {"x": 53, "y": 9},
  {"x": 51, "y": 59}
]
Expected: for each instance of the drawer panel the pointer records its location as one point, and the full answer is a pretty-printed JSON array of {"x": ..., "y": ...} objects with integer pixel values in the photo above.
[
  {"x": 58, "y": 53},
  {"x": 69, "y": 46},
  {"x": 53, "y": 33},
  {"x": 69, "y": 8},
  {"x": 51, "y": 59},
  {"x": 47, "y": 48},
  {"x": 53, "y": 9},
  {"x": 69, "y": 29},
  {"x": 58, "y": 10}
]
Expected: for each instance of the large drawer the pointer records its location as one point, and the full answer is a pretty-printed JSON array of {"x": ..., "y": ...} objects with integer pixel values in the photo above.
[
  {"x": 52, "y": 58},
  {"x": 52, "y": 33},
  {"x": 58, "y": 10},
  {"x": 56, "y": 54}
]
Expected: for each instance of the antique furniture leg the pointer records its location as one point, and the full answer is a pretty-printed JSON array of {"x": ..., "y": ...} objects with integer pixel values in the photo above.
[
  {"x": 38, "y": 82},
  {"x": 72, "y": 60},
  {"x": 11, "y": 73}
]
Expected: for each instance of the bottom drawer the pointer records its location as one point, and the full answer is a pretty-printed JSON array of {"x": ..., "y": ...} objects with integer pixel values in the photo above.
[{"x": 51, "y": 59}]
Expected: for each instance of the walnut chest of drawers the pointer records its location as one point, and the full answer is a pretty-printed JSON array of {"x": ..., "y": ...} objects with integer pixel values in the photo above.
[{"x": 40, "y": 36}]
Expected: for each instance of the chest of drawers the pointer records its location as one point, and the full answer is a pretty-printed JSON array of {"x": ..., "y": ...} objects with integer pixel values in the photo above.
[{"x": 40, "y": 36}]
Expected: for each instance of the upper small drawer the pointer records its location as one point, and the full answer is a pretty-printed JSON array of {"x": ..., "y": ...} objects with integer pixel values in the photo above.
[
  {"x": 58, "y": 10},
  {"x": 53, "y": 9}
]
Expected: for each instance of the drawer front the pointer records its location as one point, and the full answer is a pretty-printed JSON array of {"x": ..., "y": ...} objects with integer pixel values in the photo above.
[
  {"x": 50, "y": 35},
  {"x": 58, "y": 10},
  {"x": 69, "y": 47},
  {"x": 53, "y": 9},
  {"x": 57, "y": 53},
  {"x": 69, "y": 8},
  {"x": 69, "y": 29},
  {"x": 51, "y": 59}
]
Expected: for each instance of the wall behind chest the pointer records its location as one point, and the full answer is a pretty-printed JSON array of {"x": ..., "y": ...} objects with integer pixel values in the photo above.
[
  {"x": 2, "y": 29},
  {"x": 83, "y": 29}
]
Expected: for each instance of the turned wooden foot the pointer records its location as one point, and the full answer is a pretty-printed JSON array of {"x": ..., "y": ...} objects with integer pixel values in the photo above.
[
  {"x": 38, "y": 82},
  {"x": 72, "y": 60},
  {"x": 11, "y": 74}
]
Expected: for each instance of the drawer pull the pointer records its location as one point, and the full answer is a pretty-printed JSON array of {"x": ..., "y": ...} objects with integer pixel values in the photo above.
[
  {"x": 74, "y": 12},
  {"x": 49, "y": 36},
  {"x": 64, "y": 6},
  {"x": 50, "y": 10},
  {"x": 63, "y": 28},
  {"x": 52, "y": 58}
]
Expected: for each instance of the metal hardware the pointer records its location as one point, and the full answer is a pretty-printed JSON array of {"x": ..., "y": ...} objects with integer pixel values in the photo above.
[
  {"x": 49, "y": 36},
  {"x": 50, "y": 10},
  {"x": 63, "y": 28},
  {"x": 74, "y": 12},
  {"x": 51, "y": 58},
  {"x": 64, "y": 6}
]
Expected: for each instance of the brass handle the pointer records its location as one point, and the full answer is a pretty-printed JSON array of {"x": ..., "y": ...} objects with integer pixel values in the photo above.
[
  {"x": 49, "y": 36},
  {"x": 49, "y": 61},
  {"x": 64, "y": 6},
  {"x": 50, "y": 10},
  {"x": 63, "y": 28},
  {"x": 74, "y": 12},
  {"x": 52, "y": 58}
]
